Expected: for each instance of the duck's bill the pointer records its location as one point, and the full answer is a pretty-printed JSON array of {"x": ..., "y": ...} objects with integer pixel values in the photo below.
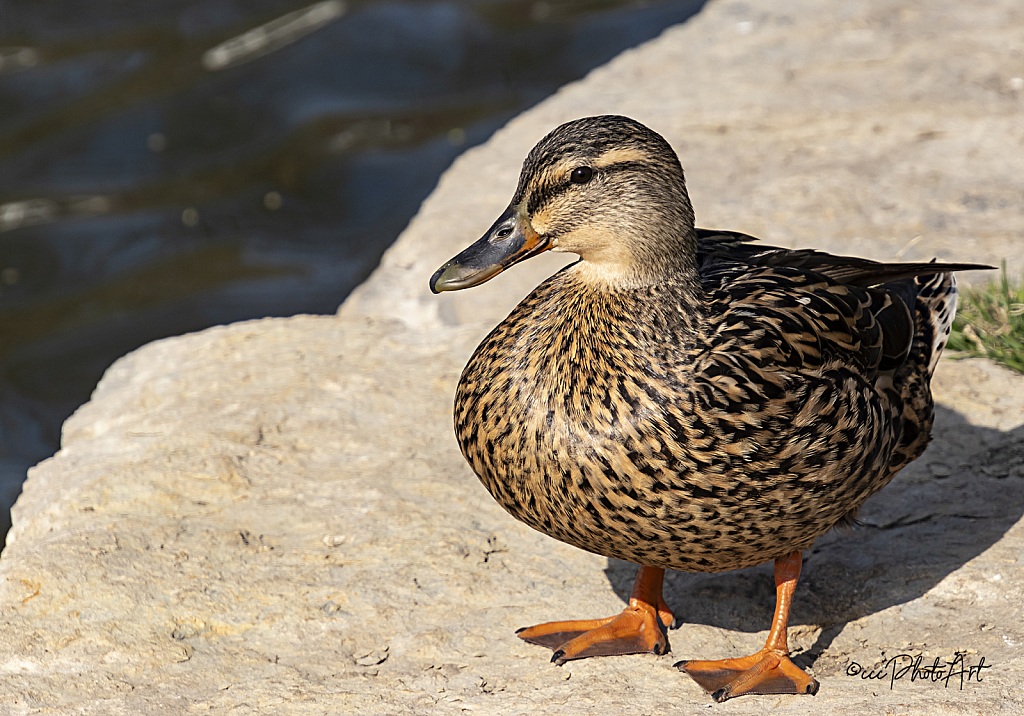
[{"x": 510, "y": 240}]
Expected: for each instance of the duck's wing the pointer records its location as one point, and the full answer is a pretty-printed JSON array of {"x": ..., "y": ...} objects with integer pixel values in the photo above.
[
  {"x": 731, "y": 246},
  {"x": 861, "y": 312}
]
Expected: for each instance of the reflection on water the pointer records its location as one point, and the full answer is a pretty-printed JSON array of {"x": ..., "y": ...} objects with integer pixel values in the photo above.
[{"x": 169, "y": 165}]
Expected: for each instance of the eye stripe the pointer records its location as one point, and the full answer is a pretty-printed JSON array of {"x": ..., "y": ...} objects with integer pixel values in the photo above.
[{"x": 543, "y": 194}]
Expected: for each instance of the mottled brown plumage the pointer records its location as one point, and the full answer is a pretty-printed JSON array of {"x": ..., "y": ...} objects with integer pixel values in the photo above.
[{"x": 683, "y": 398}]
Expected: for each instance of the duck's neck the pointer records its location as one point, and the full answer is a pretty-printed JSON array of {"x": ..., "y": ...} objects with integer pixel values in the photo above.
[
  {"x": 629, "y": 263},
  {"x": 670, "y": 312}
]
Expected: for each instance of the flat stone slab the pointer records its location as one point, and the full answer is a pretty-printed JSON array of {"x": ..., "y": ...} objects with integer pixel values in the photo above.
[
  {"x": 283, "y": 524},
  {"x": 274, "y": 517}
]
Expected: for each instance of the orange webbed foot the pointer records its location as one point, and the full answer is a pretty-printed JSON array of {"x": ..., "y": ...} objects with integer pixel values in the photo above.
[
  {"x": 640, "y": 628},
  {"x": 769, "y": 671},
  {"x": 634, "y": 631}
]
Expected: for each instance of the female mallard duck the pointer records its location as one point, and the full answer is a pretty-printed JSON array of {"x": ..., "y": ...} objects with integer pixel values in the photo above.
[{"x": 684, "y": 398}]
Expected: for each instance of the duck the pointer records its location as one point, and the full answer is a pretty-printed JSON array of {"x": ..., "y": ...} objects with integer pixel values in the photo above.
[{"x": 685, "y": 398}]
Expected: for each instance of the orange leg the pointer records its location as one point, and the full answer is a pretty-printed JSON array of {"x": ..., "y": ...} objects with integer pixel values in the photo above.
[
  {"x": 769, "y": 671},
  {"x": 639, "y": 628}
]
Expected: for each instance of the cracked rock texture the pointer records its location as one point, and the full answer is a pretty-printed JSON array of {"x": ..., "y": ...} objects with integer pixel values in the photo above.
[{"x": 273, "y": 517}]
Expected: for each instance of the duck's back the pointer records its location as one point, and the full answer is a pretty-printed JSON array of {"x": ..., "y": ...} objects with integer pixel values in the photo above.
[{"x": 712, "y": 431}]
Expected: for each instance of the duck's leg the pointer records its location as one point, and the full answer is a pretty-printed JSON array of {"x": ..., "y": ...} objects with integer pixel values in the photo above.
[
  {"x": 769, "y": 671},
  {"x": 639, "y": 628}
]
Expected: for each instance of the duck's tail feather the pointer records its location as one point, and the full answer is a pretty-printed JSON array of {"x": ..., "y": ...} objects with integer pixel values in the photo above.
[{"x": 936, "y": 308}]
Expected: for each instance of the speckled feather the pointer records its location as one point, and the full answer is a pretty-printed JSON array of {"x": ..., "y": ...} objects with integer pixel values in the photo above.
[{"x": 725, "y": 412}]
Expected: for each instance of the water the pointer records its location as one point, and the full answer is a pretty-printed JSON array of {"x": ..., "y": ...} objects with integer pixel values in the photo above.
[{"x": 168, "y": 165}]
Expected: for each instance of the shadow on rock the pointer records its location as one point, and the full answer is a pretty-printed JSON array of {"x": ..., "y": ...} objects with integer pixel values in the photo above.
[{"x": 940, "y": 512}]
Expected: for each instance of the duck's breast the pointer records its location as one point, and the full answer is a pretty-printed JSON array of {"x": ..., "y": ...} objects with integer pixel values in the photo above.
[{"x": 609, "y": 424}]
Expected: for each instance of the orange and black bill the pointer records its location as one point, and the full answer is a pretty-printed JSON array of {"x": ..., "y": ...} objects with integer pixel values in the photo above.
[{"x": 510, "y": 240}]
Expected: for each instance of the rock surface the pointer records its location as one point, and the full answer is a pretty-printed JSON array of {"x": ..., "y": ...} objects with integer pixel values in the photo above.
[{"x": 273, "y": 517}]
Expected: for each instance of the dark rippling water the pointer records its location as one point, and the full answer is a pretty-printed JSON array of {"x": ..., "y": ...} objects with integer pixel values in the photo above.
[{"x": 167, "y": 165}]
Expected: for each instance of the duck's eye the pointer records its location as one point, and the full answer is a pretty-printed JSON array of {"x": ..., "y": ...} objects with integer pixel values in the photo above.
[{"x": 581, "y": 175}]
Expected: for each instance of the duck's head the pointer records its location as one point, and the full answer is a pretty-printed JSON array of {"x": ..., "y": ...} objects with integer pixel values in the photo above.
[{"x": 606, "y": 188}]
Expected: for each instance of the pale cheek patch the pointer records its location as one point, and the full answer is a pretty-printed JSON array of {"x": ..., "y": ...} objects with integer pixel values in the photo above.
[{"x": 541, "y": 221}]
